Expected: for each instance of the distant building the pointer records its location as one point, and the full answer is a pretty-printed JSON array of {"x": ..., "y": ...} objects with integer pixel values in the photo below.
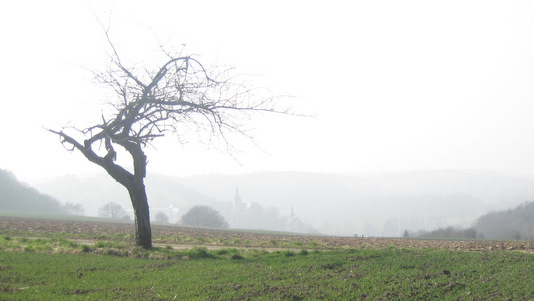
[
  {"x": 293, "y": 224},
  {"x": 246, "y": 215},
  {"x": 237, "y": 203},
  {"x": 251, "y": 215}
]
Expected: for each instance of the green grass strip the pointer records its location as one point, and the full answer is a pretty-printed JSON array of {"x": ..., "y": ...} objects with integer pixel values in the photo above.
[{"x": 390, "y": 274}]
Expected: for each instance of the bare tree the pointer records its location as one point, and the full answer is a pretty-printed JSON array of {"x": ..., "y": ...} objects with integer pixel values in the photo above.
[
  {"x": 162, "y": 217},
  {"x": 113, "y": 210},
  {"x": 178, "y": 96},
  {"x": 73, "y": 209}
]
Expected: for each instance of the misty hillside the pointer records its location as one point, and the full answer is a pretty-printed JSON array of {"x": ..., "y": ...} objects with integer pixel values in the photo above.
[
  {"x": 92, "y": 192},
  {"x": 491, "y": 187},
  {"x": 516, "y": 223},
  {"x": 511, "y": 224},
  {"x": 166, "y": 195},
  {"x": 376, "y": 204},
  {"x": 379, "y": 205},
  {"x": 17, "y": 196}
]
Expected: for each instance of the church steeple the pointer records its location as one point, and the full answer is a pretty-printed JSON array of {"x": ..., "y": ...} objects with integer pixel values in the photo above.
[
  {"x": 292, "y": 221},
  {"x": 237, "y": 197},
  {"x": 237, "y": 203}
]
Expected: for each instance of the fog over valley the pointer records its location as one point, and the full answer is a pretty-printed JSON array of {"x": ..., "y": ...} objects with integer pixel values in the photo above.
[
  {"x": 375, "y": 205},
  {"x": 378, "y": 118},
  {"x": 274, "y": 150}
]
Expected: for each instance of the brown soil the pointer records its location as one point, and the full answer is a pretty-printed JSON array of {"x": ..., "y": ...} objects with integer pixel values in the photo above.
[{"x": 10, "y": 225}]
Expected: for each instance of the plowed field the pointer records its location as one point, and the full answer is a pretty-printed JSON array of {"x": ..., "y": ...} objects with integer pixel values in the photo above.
[{"x": 163, "y": 234}]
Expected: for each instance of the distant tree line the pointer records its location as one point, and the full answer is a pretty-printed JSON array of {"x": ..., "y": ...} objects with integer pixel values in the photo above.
[
  {"x": 512, "y": 224},
  {"x": 450, "y": 232},
  {"x": 517, "y": 223},
  {"x": 17, "y": 196}
]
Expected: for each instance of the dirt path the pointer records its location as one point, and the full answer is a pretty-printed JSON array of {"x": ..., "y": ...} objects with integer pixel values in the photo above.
[{"x": 162, "y": 236}]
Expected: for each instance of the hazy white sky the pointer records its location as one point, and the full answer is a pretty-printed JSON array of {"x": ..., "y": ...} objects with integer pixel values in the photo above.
[{"x": 395, "y": 85}]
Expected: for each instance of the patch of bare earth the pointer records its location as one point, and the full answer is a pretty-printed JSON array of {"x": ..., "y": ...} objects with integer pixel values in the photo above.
[{"x": 210, "y": 236}]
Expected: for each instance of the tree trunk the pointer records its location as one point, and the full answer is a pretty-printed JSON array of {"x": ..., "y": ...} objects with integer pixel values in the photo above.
[
  {"x": 143, "y": 232},
  {"x": 136, "y": 188},
  {"x": 133, "y": 182}
]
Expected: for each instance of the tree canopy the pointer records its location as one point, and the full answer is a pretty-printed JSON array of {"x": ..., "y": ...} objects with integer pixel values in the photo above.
[
  {"x": 178, "y": 96},
  {"x": 204, "y": 216}
]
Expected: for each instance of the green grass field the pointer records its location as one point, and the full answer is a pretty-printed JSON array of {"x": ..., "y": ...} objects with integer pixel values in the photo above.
[{"x": 59, "y": 269}]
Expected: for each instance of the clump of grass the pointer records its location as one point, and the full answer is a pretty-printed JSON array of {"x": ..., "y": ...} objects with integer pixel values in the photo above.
[
  {"x": 5, "y": 242},
  {"x": 201, "y": 240},
  {"x": 198, "y": 253},
  {"x": 222, "y": 252},
  {"x": 100, "y": 244},
  {"x": 115, "y": 252},
  {"x": 186, "y": 239},
  {"x": 229, "y": 253},
  {"x": 225, "y": 242},
  {"x": 288, "y": 253},
  {"x": 313, "y": 244},
  {"x": 63, "y": 242},
  {"x": 253, "y": 253},
  {"x": 111, "y": 244},
  {"x": 86, "y": 248}
]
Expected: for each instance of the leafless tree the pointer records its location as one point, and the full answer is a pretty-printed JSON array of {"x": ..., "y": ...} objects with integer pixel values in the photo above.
[
  {"x": 73, "y": 209},
  {"x": 112, "y": 210},
  {"x": 162, "y": 217},
  {"x": 177, "y": 96}
]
